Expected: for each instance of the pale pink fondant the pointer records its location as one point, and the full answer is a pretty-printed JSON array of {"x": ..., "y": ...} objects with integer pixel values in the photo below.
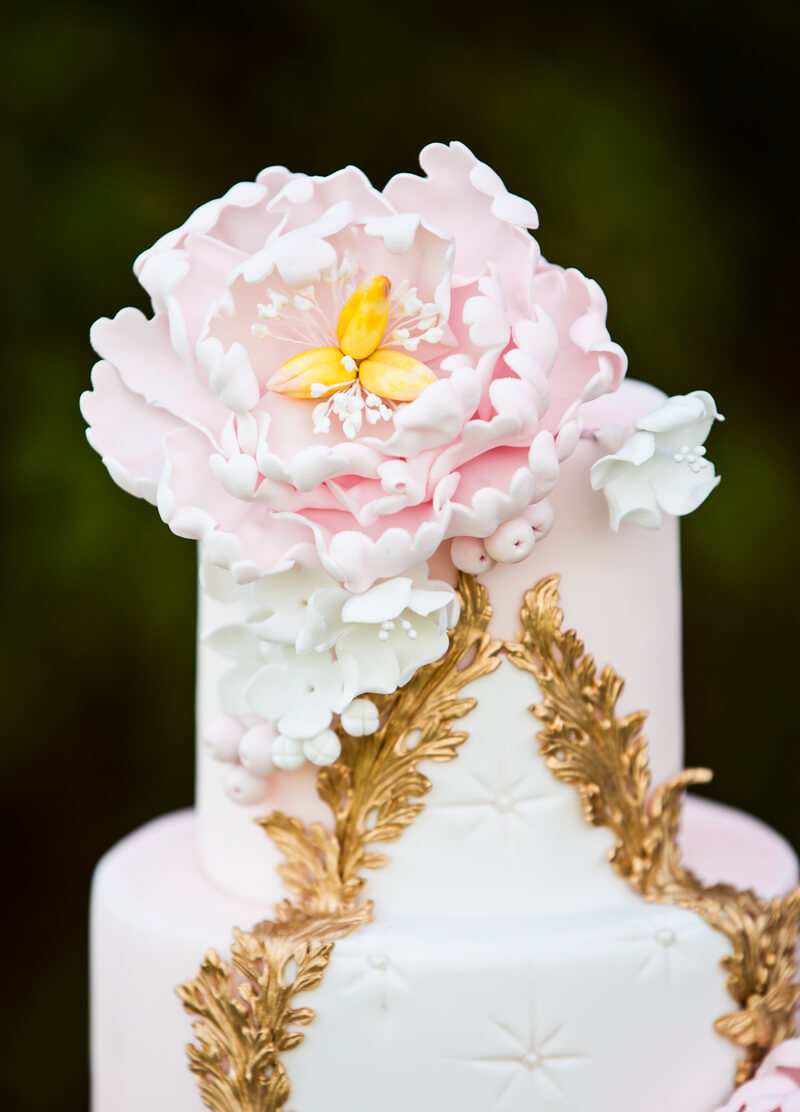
[{"x": 181, "y": 415}]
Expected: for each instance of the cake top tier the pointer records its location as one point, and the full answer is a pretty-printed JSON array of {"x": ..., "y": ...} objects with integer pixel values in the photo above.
[{"x": 336, "y": 382}]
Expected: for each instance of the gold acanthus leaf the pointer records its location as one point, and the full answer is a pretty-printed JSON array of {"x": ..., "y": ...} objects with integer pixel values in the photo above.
[
  {"x": 375, "y": 788},
  {"x": 245, "y": 1017},
  {"x": 244, "y": 1011},
  {"x": 586, "y": 744}
]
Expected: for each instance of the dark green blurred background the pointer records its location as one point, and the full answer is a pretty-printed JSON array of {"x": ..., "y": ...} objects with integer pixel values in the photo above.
[{"x": 655, "y": 144}]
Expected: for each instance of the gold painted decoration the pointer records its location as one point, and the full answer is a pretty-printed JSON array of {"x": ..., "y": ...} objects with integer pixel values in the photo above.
[
  {"x": 604, "y": 756},
  {"x": 245, "y": 1012},
  {"x": 245, "y": 1016}
]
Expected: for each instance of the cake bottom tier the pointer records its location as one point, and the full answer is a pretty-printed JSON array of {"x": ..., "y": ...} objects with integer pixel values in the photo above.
[{"x": 608, "y": 1012}]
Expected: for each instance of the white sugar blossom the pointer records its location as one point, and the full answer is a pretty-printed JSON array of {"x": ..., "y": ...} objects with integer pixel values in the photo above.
[
  {"x": 300, "y": 693},
  {"x": 303, "y": 648},
  {"x": 661, "y": 465}
]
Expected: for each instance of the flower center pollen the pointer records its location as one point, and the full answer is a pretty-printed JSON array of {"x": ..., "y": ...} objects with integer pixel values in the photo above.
[{"x": 361, "y": 374}]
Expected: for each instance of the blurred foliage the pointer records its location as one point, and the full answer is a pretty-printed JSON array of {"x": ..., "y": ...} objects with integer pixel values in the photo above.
[{"x": 654, "y": 141}]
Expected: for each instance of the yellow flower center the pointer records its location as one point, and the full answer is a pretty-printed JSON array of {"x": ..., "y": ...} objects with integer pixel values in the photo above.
[{"x": 381, "y": 371}]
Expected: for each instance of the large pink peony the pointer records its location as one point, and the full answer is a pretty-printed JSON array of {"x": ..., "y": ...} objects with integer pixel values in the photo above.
[{"x": 508, "y": 345}]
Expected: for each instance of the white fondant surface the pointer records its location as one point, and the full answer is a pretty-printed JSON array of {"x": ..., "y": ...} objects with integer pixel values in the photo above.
[
  {"x": 564, "y": 1012},
  {"x": 500, "y": 836}
]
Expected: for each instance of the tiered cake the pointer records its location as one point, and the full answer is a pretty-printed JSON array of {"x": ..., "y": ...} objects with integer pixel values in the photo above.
[{"x": 428, "y": 866}]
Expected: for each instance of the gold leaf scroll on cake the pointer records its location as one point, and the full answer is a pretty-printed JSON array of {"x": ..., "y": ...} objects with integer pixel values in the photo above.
[
  {"x": 604, "y": 756},
  {"x": 244, "y": 1011}
]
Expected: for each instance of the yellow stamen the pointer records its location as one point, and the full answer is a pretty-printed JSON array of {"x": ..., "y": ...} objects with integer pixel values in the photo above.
[
  {"x": 363, "y": 318},
  {"x": 322, "y": 365},
  {"x": 394, "y": 375}
]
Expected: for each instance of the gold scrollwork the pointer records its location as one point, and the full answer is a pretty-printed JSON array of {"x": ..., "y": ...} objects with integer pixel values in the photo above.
[
  {"x": 244, "y": 1010},
  {"x": 604, "y": 756},
  {"x": 244, "y": 1014}
]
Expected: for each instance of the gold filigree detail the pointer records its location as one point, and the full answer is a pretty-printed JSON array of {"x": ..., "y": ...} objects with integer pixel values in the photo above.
[
  {"x": 604, "y": 756},
  {"x": 245, "y": 1016}
]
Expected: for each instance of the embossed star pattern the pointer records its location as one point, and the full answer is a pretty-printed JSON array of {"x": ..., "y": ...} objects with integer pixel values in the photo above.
[{"x": 533, "y": 1065}]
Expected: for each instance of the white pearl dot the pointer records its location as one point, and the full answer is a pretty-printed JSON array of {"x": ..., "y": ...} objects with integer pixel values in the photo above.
[
  {"x": 504, "y": 803},
  {"x": 531, "y": 1060},
  {"x": 383, "y": 635},
  {"x": 379, "y": 961},
  {"x": 665, "y": 936}
]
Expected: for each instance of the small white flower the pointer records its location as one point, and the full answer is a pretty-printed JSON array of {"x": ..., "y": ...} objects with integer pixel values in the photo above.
[
  {"x": 300, "y": 692},
  {"x": 662, "y": 464},
  {"x": 302, "y": 648}
]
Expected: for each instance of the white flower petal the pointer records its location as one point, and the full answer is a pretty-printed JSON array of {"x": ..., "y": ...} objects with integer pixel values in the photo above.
[
  {"x": 680, "y": 490},
  {"x": 380, "y": 603}
]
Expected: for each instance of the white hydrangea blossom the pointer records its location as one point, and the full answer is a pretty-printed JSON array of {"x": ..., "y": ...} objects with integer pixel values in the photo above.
[{"x": 303, "y": 649}]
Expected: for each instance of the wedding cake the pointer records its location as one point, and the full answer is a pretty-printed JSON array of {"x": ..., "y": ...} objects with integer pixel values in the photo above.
[{"x": 434, "y": 861}]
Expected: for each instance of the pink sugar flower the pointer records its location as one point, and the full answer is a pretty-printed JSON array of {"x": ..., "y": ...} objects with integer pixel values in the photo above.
[
  {"x": 776, "y": 1086},
  {"x": 439, "y": 368}
]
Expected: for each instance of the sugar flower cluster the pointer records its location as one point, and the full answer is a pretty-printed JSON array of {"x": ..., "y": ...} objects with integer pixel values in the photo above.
[
  {"x": 299, "y": 651},
  {"x": 335, "y": 382},
  {"x": 776, "y": 1086},
  {"x": 462, "y": 358}
]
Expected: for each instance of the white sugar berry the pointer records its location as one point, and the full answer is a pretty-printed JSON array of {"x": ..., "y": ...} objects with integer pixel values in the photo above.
[
  {"x": 255, "y": 750},
  {"x": 512, "y": 542},
  {"x": 287, "y": 753},
  {"x": 322, "y": 749},
  {"x": 243, "y": 787},
  {"x": 469, "y": 554},
  {"x": 360, "y": 718},
  {"x": 221, "y": 738}
]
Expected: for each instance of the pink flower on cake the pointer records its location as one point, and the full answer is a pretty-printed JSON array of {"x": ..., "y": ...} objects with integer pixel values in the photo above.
[
  {"x": 369, "y": 372},
  {"x": 776, "y": 1086}
]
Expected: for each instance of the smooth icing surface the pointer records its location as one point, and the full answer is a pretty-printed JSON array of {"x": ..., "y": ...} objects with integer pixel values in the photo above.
[
  {"x": 455, "y": 1011},
  {"x": 621, "y": 592}
]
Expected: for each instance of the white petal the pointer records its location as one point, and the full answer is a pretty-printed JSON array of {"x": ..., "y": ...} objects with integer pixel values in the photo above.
[
  {"x": 305, "y": 720},
  {"x": 680, "y": 490},
  {"x": 380, "y": 603},
  {"x": 631, "y": 498},
  {"x": 267, "y": 692},
  {"x": 378, "y": 670},
  {"x": 424, "y": 602}
]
